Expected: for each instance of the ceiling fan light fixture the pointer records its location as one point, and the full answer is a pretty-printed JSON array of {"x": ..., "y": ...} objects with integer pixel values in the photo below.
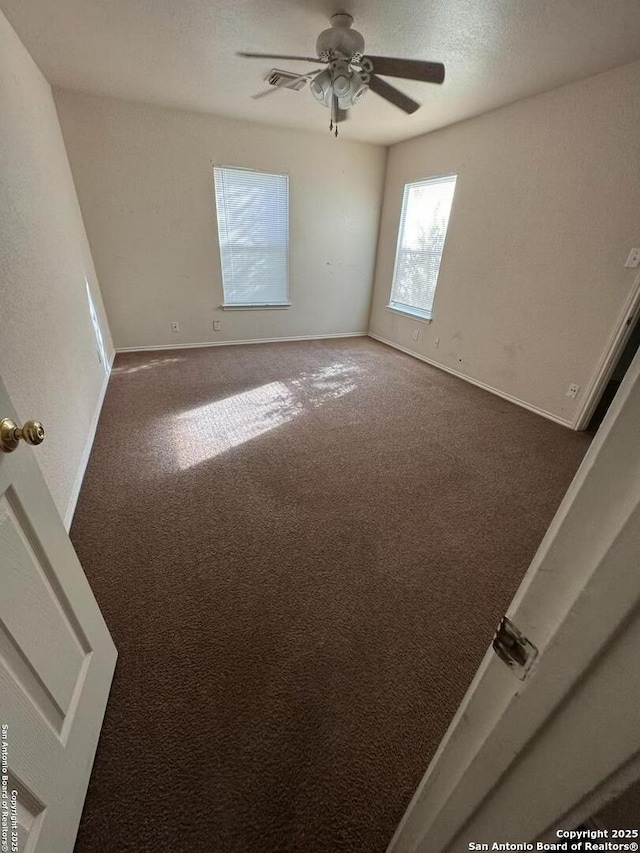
[
  {"x": 349, "y": 73},
  {"x": 321, "y": 87},
  {"x": 358, "y": 88},
  {"x": 342, "y": 85}
]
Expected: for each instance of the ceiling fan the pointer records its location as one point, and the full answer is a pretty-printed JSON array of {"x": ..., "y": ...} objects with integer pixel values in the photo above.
[{"x": 350, "y": 73}]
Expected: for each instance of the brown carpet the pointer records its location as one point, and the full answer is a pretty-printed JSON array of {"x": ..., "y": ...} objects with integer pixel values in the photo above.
[{"x": 302, "y": 551}]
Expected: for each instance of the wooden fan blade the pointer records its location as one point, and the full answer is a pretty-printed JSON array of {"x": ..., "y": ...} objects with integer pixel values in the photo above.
[
  {"x": 409, "y": 69},
  {"x": 393, "y": 95},
  {"x": 289, "y": 85},
  {"x": 277, "y": 56}
]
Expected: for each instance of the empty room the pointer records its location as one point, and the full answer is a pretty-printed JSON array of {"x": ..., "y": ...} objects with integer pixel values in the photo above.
[{"x": 319, "y": 426}]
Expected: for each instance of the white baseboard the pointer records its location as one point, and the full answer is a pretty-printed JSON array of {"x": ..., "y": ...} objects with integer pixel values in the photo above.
[
  {"x": 75, "y": 492},
  {"x": 237, "y": 343},
  {"x": 549, "y": 415}
]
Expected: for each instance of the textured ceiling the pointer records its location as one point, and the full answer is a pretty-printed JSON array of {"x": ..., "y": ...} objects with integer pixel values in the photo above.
[{"x": 180, "y": 53}]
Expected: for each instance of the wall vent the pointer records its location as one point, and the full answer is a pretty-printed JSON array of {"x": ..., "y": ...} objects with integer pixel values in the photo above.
[{"x": 283, "y": 79}]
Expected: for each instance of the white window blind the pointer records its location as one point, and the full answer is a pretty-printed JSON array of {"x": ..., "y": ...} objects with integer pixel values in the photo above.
[
  {"x": 426, "y": 206},
  {"x": 253, "y": 230}
]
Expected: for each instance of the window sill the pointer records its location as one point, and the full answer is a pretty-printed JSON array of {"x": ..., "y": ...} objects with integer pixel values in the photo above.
[
  {"x": 408, "y": 314},
  {"x": 279, "y": 307}
]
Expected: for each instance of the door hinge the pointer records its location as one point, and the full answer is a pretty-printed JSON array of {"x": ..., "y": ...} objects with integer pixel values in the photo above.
[{"x": 514, "y": 648}]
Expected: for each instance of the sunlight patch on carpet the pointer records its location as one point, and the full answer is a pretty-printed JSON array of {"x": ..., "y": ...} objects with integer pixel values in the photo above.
[{"x": 207, "y": 431}]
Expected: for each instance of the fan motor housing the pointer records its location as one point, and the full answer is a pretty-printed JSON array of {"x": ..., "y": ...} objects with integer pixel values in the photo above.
[{"x": 340, "y": 39}]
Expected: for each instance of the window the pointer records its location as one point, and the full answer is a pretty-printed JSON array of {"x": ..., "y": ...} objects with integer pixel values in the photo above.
[
  {"x": 96, "y": 328},
  {"x": 253, "y": 230},
  {"x": 426, "y": 206}
]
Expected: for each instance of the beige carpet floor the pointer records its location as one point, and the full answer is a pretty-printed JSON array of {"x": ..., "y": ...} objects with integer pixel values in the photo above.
[{"x": 302, "y": 551}]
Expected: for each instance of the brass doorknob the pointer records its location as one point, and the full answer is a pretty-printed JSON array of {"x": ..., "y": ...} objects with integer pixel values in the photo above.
[{"x": 10, "y": 434}]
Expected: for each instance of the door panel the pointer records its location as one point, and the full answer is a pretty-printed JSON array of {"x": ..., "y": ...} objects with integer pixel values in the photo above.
[
  {"x": 56, "y": 659},
  {"x": 53, "y": 653}
]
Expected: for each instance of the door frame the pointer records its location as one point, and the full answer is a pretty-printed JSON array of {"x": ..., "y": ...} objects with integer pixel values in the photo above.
[
  {"x": 496, "y": 770},
  {"x": 618, "y": 338}
]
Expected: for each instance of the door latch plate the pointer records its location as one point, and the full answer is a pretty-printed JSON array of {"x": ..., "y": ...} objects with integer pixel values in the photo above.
[{"x": 514, "y": 648}]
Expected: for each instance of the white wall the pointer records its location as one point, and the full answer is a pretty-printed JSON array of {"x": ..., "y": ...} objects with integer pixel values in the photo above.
[
  {"x": 48, "y": 356},
  {"x": 145, "y": 182},
  {"x": 547, "y": 207}
]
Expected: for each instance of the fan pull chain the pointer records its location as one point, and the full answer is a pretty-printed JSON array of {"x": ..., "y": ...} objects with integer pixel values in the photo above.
[{"x": 334, "y": 114}]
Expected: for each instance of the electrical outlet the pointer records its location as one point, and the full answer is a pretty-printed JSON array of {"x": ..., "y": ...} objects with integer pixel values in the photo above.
[
  {"x": 175, "y": 327},
  {"x": 573, "y": 391},
  {"x": 416, "y": 334},
  {"x": 633, "y": 260},
  {"x": 436, "y": 343},
  {"x": 216, "y": 325}
]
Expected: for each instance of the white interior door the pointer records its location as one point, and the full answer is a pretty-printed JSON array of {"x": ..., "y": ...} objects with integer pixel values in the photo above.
[
  {"x": 525, "y": 759},
  {"x": 56, "y": 664}
]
